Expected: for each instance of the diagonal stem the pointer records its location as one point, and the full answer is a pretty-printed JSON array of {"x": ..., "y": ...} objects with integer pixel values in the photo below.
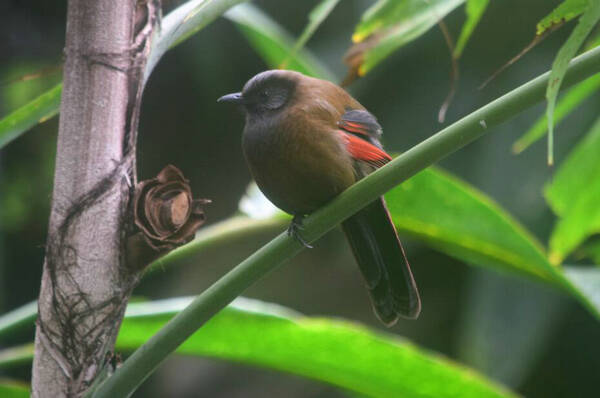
[{"x": 144, "y": 360}]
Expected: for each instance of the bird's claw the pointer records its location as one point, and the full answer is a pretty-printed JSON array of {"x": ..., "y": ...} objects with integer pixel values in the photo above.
[{"x": 294, "y": 231}]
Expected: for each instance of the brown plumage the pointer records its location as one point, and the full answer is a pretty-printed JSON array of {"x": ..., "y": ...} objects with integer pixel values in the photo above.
[{"x": 305, "y": 141}]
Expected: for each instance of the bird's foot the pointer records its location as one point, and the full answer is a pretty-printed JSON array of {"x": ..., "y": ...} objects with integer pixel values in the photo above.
[{"x": 294, "y": 231}]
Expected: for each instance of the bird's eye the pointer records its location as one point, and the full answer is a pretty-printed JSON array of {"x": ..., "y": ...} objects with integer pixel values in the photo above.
[{"x": 264, "y": 95}]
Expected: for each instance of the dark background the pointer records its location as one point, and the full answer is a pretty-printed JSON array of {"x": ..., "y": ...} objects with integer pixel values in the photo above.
[{"x": 525, "y": 335}]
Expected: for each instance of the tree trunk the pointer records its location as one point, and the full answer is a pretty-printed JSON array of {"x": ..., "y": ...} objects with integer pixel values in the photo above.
[{"x": 86, "y": 283}]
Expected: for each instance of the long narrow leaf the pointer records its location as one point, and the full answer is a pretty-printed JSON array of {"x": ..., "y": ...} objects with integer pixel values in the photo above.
[
  {"x": 564, "y": 12},
  {"x": 40, "y": 109},
  {"x": 183, "y": 22},
  {"x": 575, "y": 174},
  {"x": 341, "y": 353},
  {"x": 389, "y": 25},
  {"x": 459, "y": 220},
  {"x": 593, "y": 42},
  {"x": 574, "y": 196},
  {"x": 315, "y": 19},
  {"x": 588, "y": 20},
  {"x": 565, "y": 106},
  {"x": 273, "y": 43},
  {"x": 337, "y": 352},
  {"x": 475, "y": 9}
]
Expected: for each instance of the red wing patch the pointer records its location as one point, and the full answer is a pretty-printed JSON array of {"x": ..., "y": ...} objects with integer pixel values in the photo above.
[
  {"x": 354, "y": 127},
  {"x": 360, "y": 121},
  {"x": 365, "y": 151}
]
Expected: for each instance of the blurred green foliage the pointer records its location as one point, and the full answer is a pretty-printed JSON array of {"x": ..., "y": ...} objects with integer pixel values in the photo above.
[
  {"x": 341, "y": 353},
  {"x": 389, "y": 25},
  {"x": 475, "y": 10},
  {"x": 344, "y": 354},
  {"x": 566, "y": 11},
  {"x": 569, "y": 103},
  {"x": 574, "y": 194},
  {"x": 13, "y": 389},
  {"x": 435, "y": 207},
  {"x": 272, "y": 42},
  {"x": 585, "y": 25}
]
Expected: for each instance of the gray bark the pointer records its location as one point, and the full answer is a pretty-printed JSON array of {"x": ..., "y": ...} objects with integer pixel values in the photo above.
[{"x": 85, "y": 283}]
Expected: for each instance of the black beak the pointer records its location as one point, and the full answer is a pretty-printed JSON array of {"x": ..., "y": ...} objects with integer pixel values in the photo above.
[{"x": 235, "y": 98}]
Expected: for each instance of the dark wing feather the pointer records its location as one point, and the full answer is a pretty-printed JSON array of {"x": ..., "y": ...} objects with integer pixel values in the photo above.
[
  {"x": 383, "y": 264},
  {"x": 361, "y": 132},
  {"x": 363, "y": 124},
  {"x": 371, "y": 233}
]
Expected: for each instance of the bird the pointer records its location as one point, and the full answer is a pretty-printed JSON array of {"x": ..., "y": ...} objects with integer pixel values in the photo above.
[{"x": 305, "y": 141}]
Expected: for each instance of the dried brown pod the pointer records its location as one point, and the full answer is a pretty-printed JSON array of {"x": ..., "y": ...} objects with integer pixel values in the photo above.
[{"x": 166, "y": 215}]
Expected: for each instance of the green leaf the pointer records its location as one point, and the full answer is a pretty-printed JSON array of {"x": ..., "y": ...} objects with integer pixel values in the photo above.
[
  {"x": 182, "y": 23},
  {"x": 459, "y": 220},
  {"x": 559, "y": 67},
  {"x": 341, "y": 353},
  {"x": 567, "y": 104},
  {"x": 390, "y": 24},
  {"x": 455, "y": 218},
  {"x": 272, "y": 42},
  {"x": 593, "y": 42},
  {"x": 574, "y": 195},
  {"x": 566, "y": 11},
  {"x": 474, "y": 9},
  {"x": 582, "y": 221},
  {"x": 13, "y": 389},
  {"x": 315, "y": 19},
  {"x": 37, "y": 111}
]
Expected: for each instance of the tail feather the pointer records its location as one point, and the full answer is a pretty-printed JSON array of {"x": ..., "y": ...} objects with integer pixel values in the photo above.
[{"x": 383, "y": 264}]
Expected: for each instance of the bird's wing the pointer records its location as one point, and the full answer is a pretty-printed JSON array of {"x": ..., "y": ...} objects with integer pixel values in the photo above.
[
  {"x": 371, "y": 232},
  {"x": 361, "y": 133},
  {"x": 362, "y": 124},
  {"x": 364, "y": 151}
]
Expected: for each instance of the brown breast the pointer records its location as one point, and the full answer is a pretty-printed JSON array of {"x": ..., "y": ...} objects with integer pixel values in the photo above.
[{"x": 300, "y": 161}]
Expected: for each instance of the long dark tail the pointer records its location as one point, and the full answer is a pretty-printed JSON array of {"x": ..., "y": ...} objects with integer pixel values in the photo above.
[{"x": 382, "y": 261}]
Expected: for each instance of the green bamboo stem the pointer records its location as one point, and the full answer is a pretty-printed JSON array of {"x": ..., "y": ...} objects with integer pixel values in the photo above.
[{"x": 144, "y": 360}]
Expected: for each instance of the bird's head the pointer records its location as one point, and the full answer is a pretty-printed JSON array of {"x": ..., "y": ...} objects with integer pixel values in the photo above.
[{"x": 266, "y": 93}]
